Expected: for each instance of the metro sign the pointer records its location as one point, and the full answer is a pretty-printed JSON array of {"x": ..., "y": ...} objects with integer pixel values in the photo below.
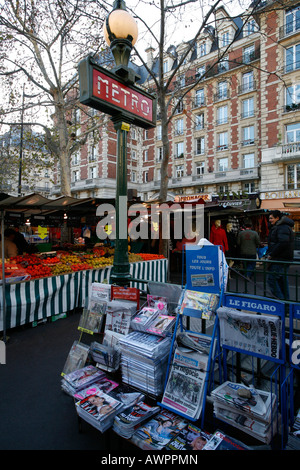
[{"x": 103, "y": 90}]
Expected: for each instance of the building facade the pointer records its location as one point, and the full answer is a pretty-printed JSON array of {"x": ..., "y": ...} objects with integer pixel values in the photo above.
[{"x": 237, "y": 131}]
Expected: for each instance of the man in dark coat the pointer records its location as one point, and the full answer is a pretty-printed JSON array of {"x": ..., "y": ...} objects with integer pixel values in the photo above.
[{"x": 280, "y": 248}]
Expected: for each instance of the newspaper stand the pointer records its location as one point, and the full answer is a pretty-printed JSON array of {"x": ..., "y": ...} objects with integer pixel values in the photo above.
[
  {"x": 261, "y": 305},
  {"x": 205, "y": 272},
  {"x": 294, "y": 365}
]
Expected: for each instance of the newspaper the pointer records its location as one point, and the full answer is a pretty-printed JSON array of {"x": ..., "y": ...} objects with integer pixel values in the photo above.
[
  {"x": 91, "y": 320},
  {"x": 185, "y": 385},
  {"x": 259, "y": 404},
  {"x": 204, "y": 302},
  {"x": 100, "y": 292},
  {"x": 260, "y": 334}
]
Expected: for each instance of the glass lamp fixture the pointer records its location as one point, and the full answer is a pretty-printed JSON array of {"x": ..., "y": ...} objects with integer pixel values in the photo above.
[{"x": 121, "y": 33}]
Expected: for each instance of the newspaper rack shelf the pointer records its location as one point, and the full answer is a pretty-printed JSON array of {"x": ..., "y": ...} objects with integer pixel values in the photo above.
[
  {"x": 261, "y": 307},
  {"x": 206, "y": 272},
  {"x": 294, "y": 361}
]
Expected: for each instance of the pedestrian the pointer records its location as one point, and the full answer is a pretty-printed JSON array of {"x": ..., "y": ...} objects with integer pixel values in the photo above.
[
  {"x": 280, "y": 248},
  {"x": 218, "y": 235},
  {"x": 248, "y": 242},
  {"x": 10, "y": 248}
]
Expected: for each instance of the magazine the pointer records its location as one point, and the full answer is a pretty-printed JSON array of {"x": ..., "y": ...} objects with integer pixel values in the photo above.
[
  {"x": 221, "y": 441},
  {"x": 126, "y": 422},
  {"x": 91, "y": 321},
  {"x": 81, "y": 378},
  {"x": 189, "y": 438},
  {"x": 99, "y": 410},
  {"x": 100, "y": 292},
  {"x": 76, "y": 358},
  {"x": 259, "y": 334},
  {"x": 161, "y": 325},
  {"x": 119, "y": 315},
  {"x": 188, "y": 372},
  {"x": 104, "y": 384},
  {"x": 204, "y": 302},
  {"x": 144, "y": 317},
  {"x": 158, "y": 431},
  {"x": 156, "y": 301}
]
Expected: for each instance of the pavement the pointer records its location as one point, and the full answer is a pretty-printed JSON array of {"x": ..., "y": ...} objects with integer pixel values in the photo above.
[{"x": 35, "y": 414}]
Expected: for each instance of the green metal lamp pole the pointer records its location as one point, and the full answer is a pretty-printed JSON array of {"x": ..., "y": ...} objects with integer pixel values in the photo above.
[{"x": 120, "y": 273}]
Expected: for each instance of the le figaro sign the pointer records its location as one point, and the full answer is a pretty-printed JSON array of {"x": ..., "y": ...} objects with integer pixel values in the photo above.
[{"x": 103, "y": 90}]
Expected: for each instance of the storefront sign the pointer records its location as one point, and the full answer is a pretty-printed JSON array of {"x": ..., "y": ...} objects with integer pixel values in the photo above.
[
  {"x": 105, "y": 91},
  {"x": 292, "y": 193},
  {"x": 254, "y": 305}
]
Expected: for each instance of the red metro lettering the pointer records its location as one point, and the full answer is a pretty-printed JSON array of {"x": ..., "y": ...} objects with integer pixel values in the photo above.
[{"x": 115, "y": 93}]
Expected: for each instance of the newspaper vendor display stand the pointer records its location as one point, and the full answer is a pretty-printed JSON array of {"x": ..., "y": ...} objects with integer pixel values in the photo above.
[
  {"x": 205, "y": 275},
  {"x": 289, "y": 390},
  {"x": 255, "y": 326}
]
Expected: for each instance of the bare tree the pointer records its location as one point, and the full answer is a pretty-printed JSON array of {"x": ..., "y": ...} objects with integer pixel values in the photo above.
[{"x": 42, "y": 42}]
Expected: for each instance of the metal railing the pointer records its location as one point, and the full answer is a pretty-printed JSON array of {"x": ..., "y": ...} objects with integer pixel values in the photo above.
[{"x": 258, "y": 284}]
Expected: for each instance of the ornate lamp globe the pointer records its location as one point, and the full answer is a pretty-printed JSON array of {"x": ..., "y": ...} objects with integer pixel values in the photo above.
[{"x": 120, "y": 32}]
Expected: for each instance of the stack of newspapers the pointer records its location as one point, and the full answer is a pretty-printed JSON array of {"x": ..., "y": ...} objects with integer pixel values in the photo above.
[
  {"x": 79, "y": 379},
  {"x": 126, "y": 422},
  {"x": 144, "y": 360},
  {"x": 184, "y": 392},
  {"x": 246, "y": 408}
]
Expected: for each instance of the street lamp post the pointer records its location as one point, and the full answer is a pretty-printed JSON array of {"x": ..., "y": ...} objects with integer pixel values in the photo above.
[
  {"x": 114, "y": 92},
  {"x": 120, "y": 32}
]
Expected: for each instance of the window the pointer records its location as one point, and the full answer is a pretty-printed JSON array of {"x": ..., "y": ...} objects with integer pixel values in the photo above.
[
  {"x": 292, "y": 95},
  {"x": 181, "y": 81},
  {"x": 222, "y": 90},
  {"x": 159, "y": 154},
  {"x": 248, "y": 160},
  {"x": 248, "y": 54},
  {"x": 92, "y": 172},
  {"x": 179, "y": 172},
  {"x": 145, "y": 155},
  {"x": 179, "y": 149},
  {"x": 292, "y": 20},
  {"x": 166, "y": 66},
  {"x": 75, "y": 176},
  {"x": 293, "y": 132},
  {"x": 293, "y": 176},
  {"x": 223, "y": 65},
  {"x": 200, "y": 146},
  {"x": 248, "y": 135},
  {"x": 77, "y": 121},
  {"x": 92, "y": 147},
  {"x": 199, "y": 121},
  {"x": 222, "y": 141},
  {"x": 133, "y": 133},
  {"x": 133, "y": 176},
  {"x": 247, "y": 81},
  {"x": 222, "y": 115},
  {"x": 200, "y": 168},
  {"x": 248, "y": 108},
  {"x": 133, "y": 154},
  {"x": 292, "y": 58},
  {"x": 179, "y": 107},
  {"x": 146, "y": 176},
  {"x": 199, "y": 97},
  {"x": 179, "y": 126},
  {"x": 249, "y": 187},
  {"x": 76, "y": 156},
  {"x": 250, "y": 28},
  {"x": 200, "y": 71},
  {"x": 158, "y": 132},
  {"x": 202, "y": 49},
  {"x": 225, "y": 39},
  {"x": 223, "y": 164}
]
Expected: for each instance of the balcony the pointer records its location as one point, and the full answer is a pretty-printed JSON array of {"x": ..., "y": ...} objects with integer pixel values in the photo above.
[
  {"x": 247, "y": 87},
  {"x": 289, "y": 29},
  {"x": 288, "y": 152}
]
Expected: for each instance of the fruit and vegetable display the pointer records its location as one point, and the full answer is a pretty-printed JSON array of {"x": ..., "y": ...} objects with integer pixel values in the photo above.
[{"x": 36, "y": 266}]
